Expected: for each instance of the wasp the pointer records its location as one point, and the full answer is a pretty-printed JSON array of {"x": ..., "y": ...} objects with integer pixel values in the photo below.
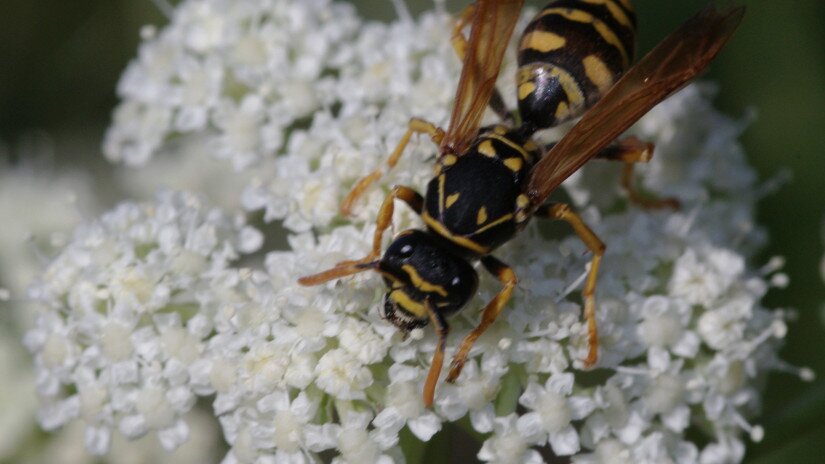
[{"x": 574, "y": 60}]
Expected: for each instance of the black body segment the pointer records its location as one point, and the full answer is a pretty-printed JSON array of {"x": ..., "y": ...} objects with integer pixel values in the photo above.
[
  {"x": 570, "y": 54},
  {"x": 475, "y": 200}
]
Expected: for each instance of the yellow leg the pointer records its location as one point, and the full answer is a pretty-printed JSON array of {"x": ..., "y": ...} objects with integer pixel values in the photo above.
[
  {"x": 506, "y": 276},
  {"x": 563, "y": 212},
  {"x": 460, "y": 45},
  {"x": 415, "y": 126},
  {"x": 382, "y": 223},
  {"x": 458, "y": 40},
  {"x": 631, "y": 150},
  {"x": 442, "y": 329}
]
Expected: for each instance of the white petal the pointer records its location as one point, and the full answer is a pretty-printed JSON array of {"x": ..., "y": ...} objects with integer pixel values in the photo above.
[
  {"x": 389, "y": 419},
  {"x": 531, "y": 428},
  {"x": 687, "y": 346},
  {"x": 321, "y": 437},
  {"x": 531, "y": 395},
  {"x": 133, "y": 427},
  {"x": 483, "y": 419},
  {"x": 658, "y": 359},
  {"x": 580, "y": 406},
  {"x": 678, "y": 419},
  {"x": 172, "y": 437},
  {"x": 561, "y": 383},
  {"x": 425, "y": 427},
  {"x": 303, "y": 407},
  {"x": 97, "y": 440},
  {"x": 565, "y": 442}
]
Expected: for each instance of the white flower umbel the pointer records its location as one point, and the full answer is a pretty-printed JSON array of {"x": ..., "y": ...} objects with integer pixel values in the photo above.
[
  {"x": 144, "y": 312},
  {"x": 125, "y": 317}
]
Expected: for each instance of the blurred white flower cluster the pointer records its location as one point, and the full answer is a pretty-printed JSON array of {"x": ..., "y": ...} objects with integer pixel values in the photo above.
[{"x": 157, "y": 305}]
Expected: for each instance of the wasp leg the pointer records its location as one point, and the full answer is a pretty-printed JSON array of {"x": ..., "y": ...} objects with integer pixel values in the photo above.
[
  {"x": 458, "y": 40},
  {"x": 563, "y": 212},
  {"x": 460, "y": 45},
  {"x": 506, "y": 276},
  {"x": 442, "y": 329},
  {"x": 382, "y": 223},
  {"x": 415, "y": 126},
  {"x": 631, "y": 150}
]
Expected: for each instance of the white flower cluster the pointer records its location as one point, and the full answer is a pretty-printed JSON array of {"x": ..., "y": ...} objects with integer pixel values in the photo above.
[
  {"x": 144, "y": 311},
  {"x": 123, "y": 317},
  {"x": 38, "y": 208}
]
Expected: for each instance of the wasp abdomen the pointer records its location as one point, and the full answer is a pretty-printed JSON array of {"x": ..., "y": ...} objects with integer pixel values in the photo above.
[{"x": 570, "y": 54}]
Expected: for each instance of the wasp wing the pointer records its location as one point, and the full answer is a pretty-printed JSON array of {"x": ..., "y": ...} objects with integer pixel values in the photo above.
[
  {"x": 676, "y": 60},
  {"x": 493, "y": 23}
]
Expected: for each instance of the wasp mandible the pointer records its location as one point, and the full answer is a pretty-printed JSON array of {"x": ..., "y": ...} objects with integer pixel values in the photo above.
[{"x": 489, "y": 181}]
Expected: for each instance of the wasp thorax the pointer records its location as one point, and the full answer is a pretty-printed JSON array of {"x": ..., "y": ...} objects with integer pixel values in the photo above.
[{"x": 419, "y": 271}]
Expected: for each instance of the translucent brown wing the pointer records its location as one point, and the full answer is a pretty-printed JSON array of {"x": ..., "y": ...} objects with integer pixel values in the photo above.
[
  {"x": 676, "y": 60},
  {"x": 493, "y": 23}
]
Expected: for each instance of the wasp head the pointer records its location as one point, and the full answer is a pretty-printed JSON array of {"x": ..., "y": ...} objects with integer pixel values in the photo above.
[{"x": 419, "y": 271}]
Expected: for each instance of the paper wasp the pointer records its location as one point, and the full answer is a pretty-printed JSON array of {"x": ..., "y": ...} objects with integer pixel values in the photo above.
[{"x": 489, "y": 181}]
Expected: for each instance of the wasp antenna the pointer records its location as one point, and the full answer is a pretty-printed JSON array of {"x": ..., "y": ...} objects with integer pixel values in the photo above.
[{"x": 342, "y": 269}]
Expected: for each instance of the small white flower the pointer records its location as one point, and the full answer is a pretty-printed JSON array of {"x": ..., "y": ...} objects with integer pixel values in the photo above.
[
  {"x": 725, "y": 325},
  {"x": 511, "y": 440},
  {"x": 553, "y": 406},
  {"x": 341, "y": 375},
  {"x": 666, "y": 325},
  {"x": 702, "y": 278},
  {"x": 404, "y": 406},
  {"x": 357, "y": 444}
]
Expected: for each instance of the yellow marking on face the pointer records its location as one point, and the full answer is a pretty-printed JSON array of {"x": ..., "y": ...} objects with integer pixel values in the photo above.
[
  {"x": 514, "y": 163},
  {"x": 448, "y": 160},
  {"x": 400, "y": 298},
  {"x": 530, "y": 145},
  {"x": 598, "y": 73},
  {"x": 500, "y": 130},
  {"x": 522, "y": 201},
  {"x": 451, "y": 199},
  {"x": 481, "y": 218},
  {"x": 542, "y": 41},
  {"x": 420, "y": 283},
  {"x": 486, "y": 148},
  {"x": 439, "y": 228},
  {"x": 393, "y": 279},
  {"x": 615, "y": 10},
  {"x": 490, "y": 225},
  {"x": 524, "y": 90}
]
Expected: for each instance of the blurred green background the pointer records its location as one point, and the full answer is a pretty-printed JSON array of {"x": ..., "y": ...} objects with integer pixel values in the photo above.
[{"x": 61, "y": 61}]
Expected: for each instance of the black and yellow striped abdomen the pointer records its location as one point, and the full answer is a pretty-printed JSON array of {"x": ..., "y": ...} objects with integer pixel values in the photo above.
[{"x": 570, "y": 54}]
